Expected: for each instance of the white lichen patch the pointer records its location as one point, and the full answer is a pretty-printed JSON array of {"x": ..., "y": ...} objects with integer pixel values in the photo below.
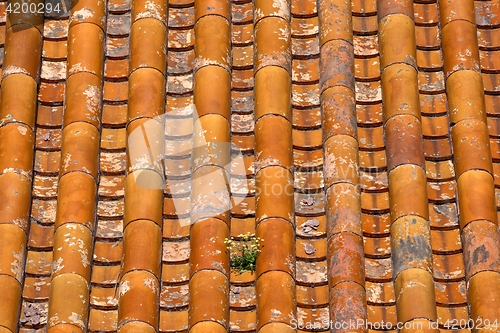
[
  {"x": 124, "y": 287},
  {"x": 282, "y": 9},
  {"x": 150, "y": 283},
  {"x": 23, "y": 130},
  {"x": 92, "y": 98},
  {"x": 82, "y": 14},
  {"x": 17, "y": 265},
  {"x": 152, "y": 10},
  {"x": 76, "y": 319},
  {"x": 57, "y": 265},
  {"x": 13, "y": 69},
  {"x": 53, "y": 70}
]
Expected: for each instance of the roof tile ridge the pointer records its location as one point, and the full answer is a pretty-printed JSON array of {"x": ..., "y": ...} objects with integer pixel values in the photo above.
[
  {"x": 406, "y": 164},
  {"x": 345, "y": 254},
  {"x": 473, "y": 163},
  {"x": 78, "y": 176},
  {"x": 209, "y": 267},
  {"x": 275, "y": 283},
  {"x": 140, "y": 275},
  {"x": 21, "y": 68}
]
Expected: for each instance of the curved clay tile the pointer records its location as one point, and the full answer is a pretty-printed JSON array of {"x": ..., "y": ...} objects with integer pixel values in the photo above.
[
  {"x": 140, "y": 273},
  {"x": 346, "y": 275},
  {"x": 209, "y": 261},
  {"x": 75, "y": 218},
  {"x": 39, "y": 260},
  {"x": 405, "y": 164},
  {"x": 473, "y": 164},
  {"x": 272, "y": 65},
  {"x": 20, "y": 74}
]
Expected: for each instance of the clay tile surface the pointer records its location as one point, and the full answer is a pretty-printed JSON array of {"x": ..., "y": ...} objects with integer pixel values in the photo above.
[{"x": 359, "y": 139}]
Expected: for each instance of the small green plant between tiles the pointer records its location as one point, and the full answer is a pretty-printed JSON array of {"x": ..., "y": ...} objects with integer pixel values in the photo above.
[{"x": 243, "y": 252}]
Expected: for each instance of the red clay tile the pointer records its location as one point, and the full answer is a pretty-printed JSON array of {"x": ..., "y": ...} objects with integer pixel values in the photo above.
[
  {"x": 460, "y": 54},
  {"x": 173, "y": 321},
  {"x": 305, "y": 46},
  {"x": 365, "y": 24},
  {"x": 133, "y": 209},
  {"x": 282, "y": 306},
  {"x": 335, "y": 20},
  {"x": 15, "y": 210},
  {"x": 341, "y": 160},
  {"x": 212, "y": 7},
  {"x": 16, "y": 107},
  {"x": 88, "y": 12},
  {"x": 208, "y": 251},
  {"x": 276, "y": 255},
  {"x": 152, "y": 33},
  {"x": 208, "y": 298},
  {"x": 403, "y": 136},
  {"x": 410, "y": 232},
  {"x": 23, "y": 45},
  {"x": 102, "y": 320},
  {"x": 369, "y": 114},
  {"x": 346, "y": 259},
  {"x": 364, "y": 7},
  {"x": 11, "y": 290},
  {"x": 425, "y": 13},
  {"x": 117, "y": 47},
  {"x": 377, "y": 247},
  {"x": 86, "y": 42},
  {"x": 407, "y": 190},
  {"x": 72, "y": 309},
  {"x": 180, "y": 17},
  {"x": 72, "y": 251},
  {"x": 149, "y": 258},
  {"x": 274, "y": 49},
  {"x": 429, "y": 59},
  {"x": 76, "y": 198},
  {"x": 376, "y": 224},
  {"x": 51, "y": 93},
  {"x": 16, "y": 148},
  {"x": 471, "y": 146},
  {"x": 115, "y": 91},
  {"x": 212, "y": 29},
  {"x": 242, "y": 34},
  {"x": 40, "y": 237},
  {"x": 437, "y": 149},
  {"x": 380, "y": 293},
  {"x": 483, "y": 292},
  {"x": 146, "y": 84},
  {"x": 400, "y": 91},
  {"x": 433, "y": 104},
  {"x": 348, "y": 305},
  {"x": 337, "y": 64},
  {"x": 403, "y": 53},
  {"x": 138, "y": 298},
  {"x": 77, "y": 136},
  {"x": 455, "y": 10},
  {"x": 441, "y": 192},
  {"x": 269, "y": 80},
  {"x": 415, "y": 284},
  {"x": 481, "y": 248},
  {"x": 206, "y": 102},
  {"x": 465, "y": 101},
  {"x": 448, "y": 266},
  {"x": 144, "y": 9}
]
